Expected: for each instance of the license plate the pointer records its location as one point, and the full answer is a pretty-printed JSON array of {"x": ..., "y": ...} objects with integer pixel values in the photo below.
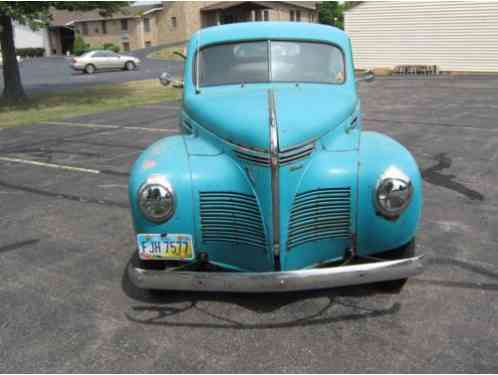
[{"x": 165, "y": 246}]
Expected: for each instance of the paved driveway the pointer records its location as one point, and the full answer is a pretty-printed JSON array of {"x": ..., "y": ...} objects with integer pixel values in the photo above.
[
  {"x": 54, "y": 73},
  {"x": 66, "y": 237}
]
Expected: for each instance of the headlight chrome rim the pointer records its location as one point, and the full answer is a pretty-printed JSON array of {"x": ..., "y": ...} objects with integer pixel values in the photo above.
[
  {"x": 393, "y": 181},
  {"x": 159, "y": 190}
]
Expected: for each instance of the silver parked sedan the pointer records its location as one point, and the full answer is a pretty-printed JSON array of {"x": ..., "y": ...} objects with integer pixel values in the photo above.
[{"x": 92, "y": 61}]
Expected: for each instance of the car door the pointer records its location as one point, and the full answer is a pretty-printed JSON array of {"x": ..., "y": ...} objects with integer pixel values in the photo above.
[
  {"x": 99, "y": 59},
  {"x": 114, "y": 60}
]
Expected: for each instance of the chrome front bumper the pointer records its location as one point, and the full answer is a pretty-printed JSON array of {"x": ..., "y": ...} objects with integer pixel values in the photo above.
[{"x": 254, "y": 282}]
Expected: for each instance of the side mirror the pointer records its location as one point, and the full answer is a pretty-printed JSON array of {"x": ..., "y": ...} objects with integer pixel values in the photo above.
[
  {"x": 367, "y": 77},
  {"x": 167, "y": 79}
]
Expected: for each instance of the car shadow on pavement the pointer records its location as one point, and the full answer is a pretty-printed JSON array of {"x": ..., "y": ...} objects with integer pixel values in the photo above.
[
  {"x": 465, "y": 266},
  {"x": 165, "y": 308},
  {"x": 157, "y": 307}
]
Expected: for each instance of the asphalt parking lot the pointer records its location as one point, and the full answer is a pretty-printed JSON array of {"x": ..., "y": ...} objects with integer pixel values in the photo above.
[
  {"x": 54, "y": 73},
  {"x": 66, "y": 237}
]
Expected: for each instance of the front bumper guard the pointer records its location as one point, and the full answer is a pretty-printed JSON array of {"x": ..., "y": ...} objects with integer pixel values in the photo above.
[{"x": 254, "y": 282}]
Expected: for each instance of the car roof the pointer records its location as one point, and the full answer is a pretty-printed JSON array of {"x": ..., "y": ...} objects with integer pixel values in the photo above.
[{"x": 272, "y": 30}]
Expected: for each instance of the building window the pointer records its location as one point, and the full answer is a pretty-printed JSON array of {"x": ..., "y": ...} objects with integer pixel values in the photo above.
[
  {"x": 295, "y": 15},
  {"x": 124, "y": 25},
  {"x": 148, "y": 43},
  {"x": 104, "y": 27},
  {"x": 257, "y": 15},
  {"x": 173, "y": 22},
  {"x": 147, "y": 25},
  {"x": 227, "y": 18},
  {"x": 96, "y": 30},
  {"x": 266, "y": 15},
  {"x": 84, "y": 28},
  {"x": 126, "y": 46}
]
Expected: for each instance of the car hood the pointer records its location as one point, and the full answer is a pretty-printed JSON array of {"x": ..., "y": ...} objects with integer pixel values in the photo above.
[{"x": 241, "y": 116}]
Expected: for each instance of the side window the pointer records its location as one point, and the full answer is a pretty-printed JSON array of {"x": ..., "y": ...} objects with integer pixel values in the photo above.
[{"x": 98, "y": 54}]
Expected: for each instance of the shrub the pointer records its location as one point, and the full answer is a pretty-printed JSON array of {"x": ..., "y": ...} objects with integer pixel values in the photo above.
[
  {"x": 30, "y": 52},
  {"x": 111, "y": 47},
  {"x": 80, "y": 47}
]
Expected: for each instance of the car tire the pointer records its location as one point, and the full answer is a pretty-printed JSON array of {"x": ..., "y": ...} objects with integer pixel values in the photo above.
[
  {"x": 130, "y": 65},
  {"x": 90, "y": 69},
  {"x": 406, "y": 251}
]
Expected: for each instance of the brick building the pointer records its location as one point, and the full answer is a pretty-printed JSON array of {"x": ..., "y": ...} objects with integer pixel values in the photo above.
[{"x": 167, "y": 22}]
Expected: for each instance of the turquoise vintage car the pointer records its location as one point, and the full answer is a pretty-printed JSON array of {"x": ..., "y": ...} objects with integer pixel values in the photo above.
[{"x": 273, "y": 185}]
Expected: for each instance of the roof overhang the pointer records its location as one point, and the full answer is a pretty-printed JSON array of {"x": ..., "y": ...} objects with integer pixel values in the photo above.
[
  {"x": 223, "y": 5},
  {"x": 153, "y": 10}
]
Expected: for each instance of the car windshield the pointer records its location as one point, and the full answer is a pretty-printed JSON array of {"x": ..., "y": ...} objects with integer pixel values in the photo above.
[{"x": 274, "y": 61}]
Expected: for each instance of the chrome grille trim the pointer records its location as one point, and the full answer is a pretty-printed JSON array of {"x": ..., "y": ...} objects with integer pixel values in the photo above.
[
  {"x": 275, "y": 181},
  {"x": 320, "y": 214},
  {"x": 259, "y": 158},
  {"x": 295, "y": 154},
  {"x": 231, "y": 217},
  {"x": 285, "y": 157}
]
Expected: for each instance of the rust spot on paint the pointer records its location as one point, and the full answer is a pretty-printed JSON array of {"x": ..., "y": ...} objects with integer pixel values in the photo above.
[{"x": 149, "y": 164}]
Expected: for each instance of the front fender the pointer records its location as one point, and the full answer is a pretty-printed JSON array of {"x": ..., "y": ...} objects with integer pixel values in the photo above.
[
  {"x": 374, "y": 232},
  {"x": 168, "y": 158}
]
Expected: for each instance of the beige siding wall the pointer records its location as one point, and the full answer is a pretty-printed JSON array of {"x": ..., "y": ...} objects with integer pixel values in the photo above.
[{"x": 456, "y": 36}]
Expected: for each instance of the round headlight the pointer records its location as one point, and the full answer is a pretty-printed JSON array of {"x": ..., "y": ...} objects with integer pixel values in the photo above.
[
  {"x": 393, "y": 194},
  {"x": 156, "y": 200}
]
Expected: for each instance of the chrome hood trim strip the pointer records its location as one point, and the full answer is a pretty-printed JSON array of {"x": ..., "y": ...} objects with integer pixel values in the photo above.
[{"x": 275, "y": 183}]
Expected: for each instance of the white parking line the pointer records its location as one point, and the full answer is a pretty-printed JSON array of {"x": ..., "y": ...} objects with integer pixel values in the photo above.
[
  {"x": 105, "y": 126},
  {"x": 49, "y": 165}
]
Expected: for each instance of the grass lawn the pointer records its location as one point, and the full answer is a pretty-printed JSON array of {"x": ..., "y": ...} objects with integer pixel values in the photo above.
[
  {"x": 167, "y": 53},
  {"x": 53, "y": 106}
]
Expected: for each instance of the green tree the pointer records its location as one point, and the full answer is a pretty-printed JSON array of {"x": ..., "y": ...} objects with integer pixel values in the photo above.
[
  {"x": 36, "y": 14},
  {"x": 331, "y": 13}
]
